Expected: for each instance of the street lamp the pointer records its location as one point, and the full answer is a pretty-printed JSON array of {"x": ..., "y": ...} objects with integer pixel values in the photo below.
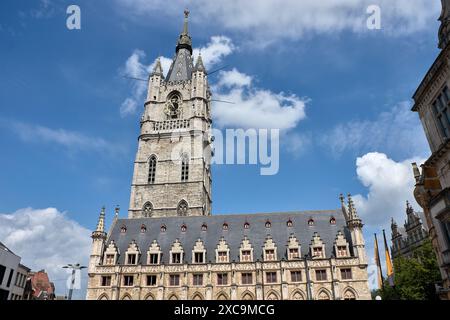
[{"x": 74, "y": 267}]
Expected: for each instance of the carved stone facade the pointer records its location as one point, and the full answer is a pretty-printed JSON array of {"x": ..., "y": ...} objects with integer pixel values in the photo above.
[
  {"x": 432, "y": 190},
  {"x": 171, "y": 247},
  {"x": 411, "y": 237}
]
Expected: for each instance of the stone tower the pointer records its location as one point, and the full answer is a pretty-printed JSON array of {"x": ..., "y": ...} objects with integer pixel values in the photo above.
[
  {"x": 355, "y": 225},
  {"x": 172, "y": 174}
]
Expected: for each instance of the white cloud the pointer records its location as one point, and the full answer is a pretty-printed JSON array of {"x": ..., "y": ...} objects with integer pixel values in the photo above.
[
  {"x": 270, "y": 20},
  {"x": 71, "y": 140},
  {"x": 47, "y": 239},
  {"x": 233, "y": 78},
  {"x": 389, "y": 185},
  {"x": 397, "y": 131},
  {"x": 254, "y": 107},
  {"x": 215, "y": 50}
]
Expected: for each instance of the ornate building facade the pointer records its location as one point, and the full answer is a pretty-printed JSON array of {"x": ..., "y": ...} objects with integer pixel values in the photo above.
[
  {"x": 171, "y": 247},
  {"x": 412, "y": 236},
  {"x": 432, "y": 192}
]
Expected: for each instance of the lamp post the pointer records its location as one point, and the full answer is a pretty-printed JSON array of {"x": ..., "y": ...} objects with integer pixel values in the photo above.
[{"x": 74, "y": 267}]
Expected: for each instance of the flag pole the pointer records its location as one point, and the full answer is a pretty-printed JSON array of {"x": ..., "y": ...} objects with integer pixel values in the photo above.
[
  {"x": 378, "y": 263},
  {"x": 389, "y": 268}
]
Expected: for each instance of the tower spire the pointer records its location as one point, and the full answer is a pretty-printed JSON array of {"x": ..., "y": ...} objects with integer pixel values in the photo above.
[
  {"x": 101, "y": 221},
  {"x": 185, "y": 40}
]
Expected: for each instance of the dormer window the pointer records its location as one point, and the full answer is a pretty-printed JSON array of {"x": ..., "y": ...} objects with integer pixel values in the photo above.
[
  {"x": 270, "y": 255},
  {"x": 153, "y": 258},
  {"x": 110, "y": 259},
  {"x": 163, "y": 228},
  {"x": 268, "y": 224},
  {"x": 289, "y": 223},
  {"x": 176, "y": 257},
  {"x": 246, "y": 255},
  {"x": 199, "y": 257},
  {"x": 131, "y": 258},
  {"x": 204, "y": 227},
  {"x": 310, "y": 222},
  {"x": 123, "y": 229},
  {"x": 317, "y": 252},
  {"x": 293, "y": 253},
  {"x": 246, "y": 225},
  {"x": 341, "y": 251},
  {"x": 332, "y": 221},
  {"x": 222, "y": 256},
  {"x": 143, "y": 228},
  {"x": 183, "y": 228},
  {"x": 225, "y": 226}
]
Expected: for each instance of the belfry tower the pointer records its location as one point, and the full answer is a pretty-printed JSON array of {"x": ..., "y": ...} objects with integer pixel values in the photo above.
[{"x": 172, "y": 174}]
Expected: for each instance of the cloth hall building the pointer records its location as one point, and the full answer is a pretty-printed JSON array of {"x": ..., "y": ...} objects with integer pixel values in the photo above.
[{"x": 171, "y": 247}]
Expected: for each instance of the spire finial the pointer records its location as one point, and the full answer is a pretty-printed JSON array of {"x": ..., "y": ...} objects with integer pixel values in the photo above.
[
  {"x": 116, "y": 211},
  {"x": 185, "y": 26},
  {"x": 101, "y": 221}
]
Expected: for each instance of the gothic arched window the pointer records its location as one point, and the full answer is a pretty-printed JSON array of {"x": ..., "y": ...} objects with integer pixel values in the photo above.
[
  {"x": 173, "y": 106},
  {"x": 185, "y": 167},
  {"x": 147, "y": 210},
  {"x": 152, "y": 170},
  {"x": 182, "y": 208}
]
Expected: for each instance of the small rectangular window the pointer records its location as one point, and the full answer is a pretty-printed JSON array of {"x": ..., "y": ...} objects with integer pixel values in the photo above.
[
  {"x": 346, "y": 274},
  {"x": 296, "y": 276},
  {"x": 153, "y": 259},
  {"x": 321, "y": 275},
  {"x": 131, "y": 258},
  {"x": 198, "y": 257},
  {"x": 246, "y": 255},
  {"x": 109, "y": 259},
  {"x": 2, "y": 273},
  {"x": 11, "y": 273},
  {"x": 270, "y": 255},
  {"x": 342, "y": 251},
  {"x": 317, "y": 252},
  {"x": 176, "y": 257},
  {"x": 197, "y": 280},
  {"x": 128, "y": 281},
  {"x": 174, "y": 280},
  {"x": 223, "y": 256},
  {"x": 106, "y": 281},
  {"x": 151, "y": 280},
  {"x": 247, "y": 278},
  {"x": 222, "y": 279},
  {"x": 271, "y": 277},
  {"x": 293, "y": 253}
]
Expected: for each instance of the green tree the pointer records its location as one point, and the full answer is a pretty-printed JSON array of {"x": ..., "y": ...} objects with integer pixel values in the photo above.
[{"x": 414, "y": 277}]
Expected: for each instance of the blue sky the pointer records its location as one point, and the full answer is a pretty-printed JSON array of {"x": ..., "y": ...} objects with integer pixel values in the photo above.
[{"x": 67, "y": 146}]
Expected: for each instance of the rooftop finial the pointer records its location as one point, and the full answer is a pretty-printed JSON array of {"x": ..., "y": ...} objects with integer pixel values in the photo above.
[{"x": 116, "y": 211}]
